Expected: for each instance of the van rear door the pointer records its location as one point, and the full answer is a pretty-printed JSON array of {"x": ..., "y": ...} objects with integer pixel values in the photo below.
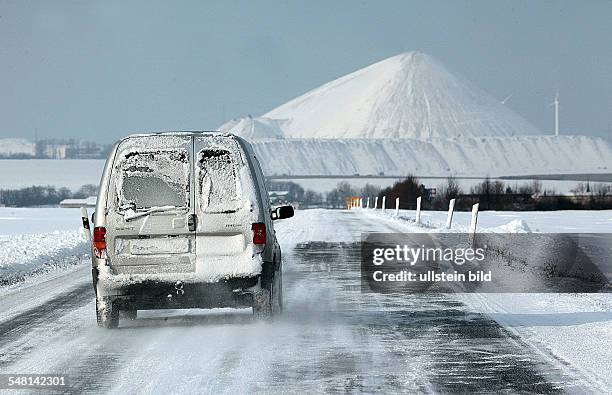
[
  {"x": 226, "y": 209},
  {"x": 150, "y": 217}
]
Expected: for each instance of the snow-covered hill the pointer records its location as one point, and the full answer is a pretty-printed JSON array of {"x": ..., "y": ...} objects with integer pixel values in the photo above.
[
  {"x": 254, "y": 128},
  {"x": 11, "y": 146},
  {"x": 477, "y": 157},
  {"x": 410, "y": 95},
  {"x": 409, "y": 114}
]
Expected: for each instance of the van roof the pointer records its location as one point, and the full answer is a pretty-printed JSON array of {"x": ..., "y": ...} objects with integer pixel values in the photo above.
[{"x": 182, "y": 133}]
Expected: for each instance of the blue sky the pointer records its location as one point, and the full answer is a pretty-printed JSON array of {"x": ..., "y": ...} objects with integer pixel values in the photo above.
[{"x": 101, "y": 70}]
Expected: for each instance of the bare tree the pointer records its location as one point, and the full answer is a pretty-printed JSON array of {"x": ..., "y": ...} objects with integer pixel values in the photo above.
[
  {"x": 601, "y": 190},
  {"x": 497, "y": 188},
  {"x": 536, "y": 185},
  {"x": 452, "y": 189},
  {"x": 580, "y": 189},
  {"x": 370, "y": 190},
  {"x": 446, "y": 192}
]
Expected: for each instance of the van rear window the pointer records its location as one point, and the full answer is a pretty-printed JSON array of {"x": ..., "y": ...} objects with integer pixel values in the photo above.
[
  {"x": 150, "y": 179},
  {"x": 219, "y": 184}
]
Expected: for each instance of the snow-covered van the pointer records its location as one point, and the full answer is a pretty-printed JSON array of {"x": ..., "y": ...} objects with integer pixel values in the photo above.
[{"x": 183, "y": 220}]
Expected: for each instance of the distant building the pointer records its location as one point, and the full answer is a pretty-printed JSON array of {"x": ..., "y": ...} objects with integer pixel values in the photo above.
[
  {"x": 278, "y": 197},
  {"x": 70, "y": 149},
  {"x": 56, "y": 151},
  {"x": 86, "y": 150}
]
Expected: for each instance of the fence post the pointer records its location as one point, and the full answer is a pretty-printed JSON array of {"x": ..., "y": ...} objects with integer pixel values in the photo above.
[
  {"x": 418, "y": 211},
  {"x": 474, "y": 219},
  {"x": 376, "y": 203},
  {"x": 449, "y": 218},
  {"x": 368, "y": 203},
  {"x": 384, "y": 203},
  {"x": 397, "y": 206}
]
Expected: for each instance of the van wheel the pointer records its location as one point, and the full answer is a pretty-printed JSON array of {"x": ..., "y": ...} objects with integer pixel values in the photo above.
[
  {"x": 262, "y": 305},
  {"x": 277, "y": 293},
  {"x": 107, "y": 313},
  {"x": 269, "y": 302}
]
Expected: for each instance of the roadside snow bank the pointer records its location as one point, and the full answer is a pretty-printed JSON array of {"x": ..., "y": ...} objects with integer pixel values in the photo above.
[
  {"x": 24, "y": 255},
  {"x": 514, "y": 226},
  {"x": 571, "y": 329},
  {"x": 564, "y": 221},
  {"x": 546, "y": 254},
  {"x": 429, "y": 223}
]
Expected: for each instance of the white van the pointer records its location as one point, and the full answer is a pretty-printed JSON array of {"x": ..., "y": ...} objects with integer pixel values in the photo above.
[{"x": 183, "y": 220}]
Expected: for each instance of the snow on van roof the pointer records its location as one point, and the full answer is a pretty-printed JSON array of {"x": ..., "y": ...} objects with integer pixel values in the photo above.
[{"x": 182, "y": 133}]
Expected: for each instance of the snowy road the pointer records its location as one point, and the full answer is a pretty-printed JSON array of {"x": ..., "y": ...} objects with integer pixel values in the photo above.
[{"x": 331, "y": 338}]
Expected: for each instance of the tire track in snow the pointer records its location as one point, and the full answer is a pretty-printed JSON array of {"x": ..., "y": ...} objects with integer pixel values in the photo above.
[{"x": 22, "y": 323}]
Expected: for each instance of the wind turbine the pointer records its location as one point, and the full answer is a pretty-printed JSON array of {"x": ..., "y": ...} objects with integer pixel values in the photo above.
[
  {"x": 556, "y": 104},
  {"x": 506, "y": 99}
]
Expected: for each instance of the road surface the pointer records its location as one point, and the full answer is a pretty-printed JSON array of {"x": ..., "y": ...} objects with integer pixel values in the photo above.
[{"x": 331, "y": 338}]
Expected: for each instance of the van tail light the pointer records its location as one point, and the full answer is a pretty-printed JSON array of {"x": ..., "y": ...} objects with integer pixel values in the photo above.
[
  {"x": 99, "y": 241},
  {"x": 259, "y": 233}
]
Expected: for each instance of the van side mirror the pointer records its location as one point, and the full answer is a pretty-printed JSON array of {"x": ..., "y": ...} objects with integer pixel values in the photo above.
[{"x": 282, "y": 212}]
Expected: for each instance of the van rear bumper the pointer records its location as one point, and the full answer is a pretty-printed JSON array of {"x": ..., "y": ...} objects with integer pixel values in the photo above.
[{"x": 149, "y": 294}]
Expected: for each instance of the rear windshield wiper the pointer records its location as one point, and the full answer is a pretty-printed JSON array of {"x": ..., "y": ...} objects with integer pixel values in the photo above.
[{"x": 130, "y": 215}]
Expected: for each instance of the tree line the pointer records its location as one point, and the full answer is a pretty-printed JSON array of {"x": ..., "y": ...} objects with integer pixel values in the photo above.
[
  {"x": 43, "y": 195},
  {"x": 496, "y": 195}
]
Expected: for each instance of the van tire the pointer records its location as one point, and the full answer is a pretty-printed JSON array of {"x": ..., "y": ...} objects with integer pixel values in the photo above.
[
  {"x": 94, "y": 279},
  {"x": 262, "y": 305},
  {"x": 277, "y": 293},
  {"x": 262, "y": 300},
  {"x": 107, "y": 313},
  {"x": 269, "y": 302}
]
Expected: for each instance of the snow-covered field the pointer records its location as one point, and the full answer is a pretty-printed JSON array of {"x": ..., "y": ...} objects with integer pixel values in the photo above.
[
  {"x": 569, "y": 221},
  {"x": 39, "y": 241},
  {"x": 69, "y": 173}
]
